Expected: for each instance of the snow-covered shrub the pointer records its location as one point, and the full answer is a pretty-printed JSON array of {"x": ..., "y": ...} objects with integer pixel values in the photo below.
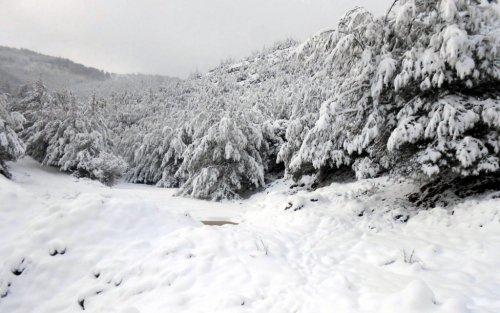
[
  {"x": 11, "y": 147},
  {"x": 70, "y": 135}
]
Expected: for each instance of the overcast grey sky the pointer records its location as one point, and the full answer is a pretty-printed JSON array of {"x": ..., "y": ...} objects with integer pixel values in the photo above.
[{"x": 169, "y": 37}]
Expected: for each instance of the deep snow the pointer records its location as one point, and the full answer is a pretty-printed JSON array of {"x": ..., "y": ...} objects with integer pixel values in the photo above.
[{"x": 68, "y": 244}]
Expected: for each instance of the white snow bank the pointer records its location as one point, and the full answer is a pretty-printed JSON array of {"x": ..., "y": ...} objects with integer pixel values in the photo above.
[{"x": 68, "y": 244}]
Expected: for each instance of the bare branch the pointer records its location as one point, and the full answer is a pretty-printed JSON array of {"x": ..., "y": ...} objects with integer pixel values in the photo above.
[{"x": 390, "y": 9}]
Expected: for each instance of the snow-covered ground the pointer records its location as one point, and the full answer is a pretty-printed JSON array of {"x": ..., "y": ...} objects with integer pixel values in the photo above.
[{"x": 70, "y": 244}]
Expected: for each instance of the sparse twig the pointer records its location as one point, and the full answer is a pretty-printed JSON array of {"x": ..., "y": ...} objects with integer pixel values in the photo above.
[
  {"x": 263, "y": 245},
  {"x": 409, "y": 259}
]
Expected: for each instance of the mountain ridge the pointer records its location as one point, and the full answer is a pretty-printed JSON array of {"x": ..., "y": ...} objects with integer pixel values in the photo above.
[{"x": 20, "y": 66}]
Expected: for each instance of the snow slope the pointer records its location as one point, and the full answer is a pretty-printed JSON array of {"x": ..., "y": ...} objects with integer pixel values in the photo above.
[{"x": 70, "y": 244}]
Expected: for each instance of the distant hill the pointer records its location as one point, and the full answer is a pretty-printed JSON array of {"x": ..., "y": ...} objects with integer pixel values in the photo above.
[{"x": 22, "y": 66}]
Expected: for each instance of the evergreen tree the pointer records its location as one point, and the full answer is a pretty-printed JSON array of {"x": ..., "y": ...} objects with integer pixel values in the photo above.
[
  {"x": 226, "y": 161},
  {"x": 418, "y": 86},
  {"x": 11, "y": 147},
  {"x": 70, "y": 135}
]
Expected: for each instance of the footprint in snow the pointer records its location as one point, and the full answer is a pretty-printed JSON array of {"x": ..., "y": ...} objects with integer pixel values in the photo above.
[
  {"x": 56, "y": 248},
  {"x": 19, "y": 269}
]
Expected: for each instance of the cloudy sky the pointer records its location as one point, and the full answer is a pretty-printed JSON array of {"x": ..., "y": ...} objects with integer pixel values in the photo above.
[{"x": 169, "y": 37}]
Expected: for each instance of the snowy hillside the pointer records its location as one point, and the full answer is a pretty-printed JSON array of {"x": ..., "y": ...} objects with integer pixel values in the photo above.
[
  {"x": 70, "y": 245},
  {"x": 23, "y": 67},
  {"x": 412, "y": 93}
]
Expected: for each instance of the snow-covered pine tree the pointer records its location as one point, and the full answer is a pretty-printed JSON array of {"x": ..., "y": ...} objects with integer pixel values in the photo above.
[
  {"x": 11, "y": 147},
  {"x": 446, "y": 84},
  {"x": 31, "y": 101},
  {"x": 153, "y": 144},
  {"x": 158, "y": 158},
  {"x": 70, "y": 135},
  {"x": 225, "y": 159},
  {"x": 225, "y": 162},
  {"x": 239, "y": 126},
  {"x": 346, "y": 57},
  {"x": 418, "y": 86},
  {"x": 303, "y": 118}
]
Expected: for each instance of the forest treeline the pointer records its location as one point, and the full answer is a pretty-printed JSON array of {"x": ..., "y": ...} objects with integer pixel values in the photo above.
[{"x": 414, "y": 93}]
